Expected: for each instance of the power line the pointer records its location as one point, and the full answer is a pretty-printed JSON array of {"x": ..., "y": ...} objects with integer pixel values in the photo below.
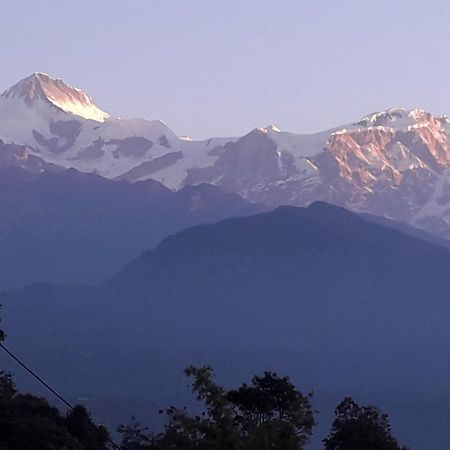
[
  {"x": 32, "y": 373},
  {"x": 36, "y": 376}
]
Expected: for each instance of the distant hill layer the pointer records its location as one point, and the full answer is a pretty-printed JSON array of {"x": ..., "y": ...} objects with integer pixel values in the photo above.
[{"x": 72, "y": 227}]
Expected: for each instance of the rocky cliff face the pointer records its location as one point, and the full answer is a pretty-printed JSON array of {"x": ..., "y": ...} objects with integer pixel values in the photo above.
[{"x": 394, "y": 164}]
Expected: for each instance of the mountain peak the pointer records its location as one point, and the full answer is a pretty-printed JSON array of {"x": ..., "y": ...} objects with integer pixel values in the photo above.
[
  {"x": 40, "y": 86},
  {"x": 399, "y": 118}
]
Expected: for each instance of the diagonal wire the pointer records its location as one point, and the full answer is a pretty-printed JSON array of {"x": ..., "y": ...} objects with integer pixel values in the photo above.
[{"x": 32, "y": 373}]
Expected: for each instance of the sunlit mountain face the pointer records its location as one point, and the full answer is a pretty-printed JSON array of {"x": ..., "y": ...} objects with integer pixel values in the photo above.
[{"x": 39, "y": 87}]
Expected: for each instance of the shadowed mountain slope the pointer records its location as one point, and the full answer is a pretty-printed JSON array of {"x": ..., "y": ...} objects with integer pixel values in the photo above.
[
  {"x": 72, "y": 227},
  {"x": 341, "y": 304}
]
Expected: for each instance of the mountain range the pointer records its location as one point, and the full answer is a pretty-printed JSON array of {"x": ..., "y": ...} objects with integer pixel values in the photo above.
[
  {"x": 223, "y": 251},
  {"x": 393, "y": 163},
  {"x": 344, "y": 305},
  {"x": 69, "y": 227}
]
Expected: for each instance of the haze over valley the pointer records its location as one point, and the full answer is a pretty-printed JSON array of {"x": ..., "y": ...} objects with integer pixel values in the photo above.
[{"x": 263, "y": 287}]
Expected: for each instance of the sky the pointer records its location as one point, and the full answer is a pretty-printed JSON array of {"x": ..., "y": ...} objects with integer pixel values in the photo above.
[{"x": 222, "y": 68}]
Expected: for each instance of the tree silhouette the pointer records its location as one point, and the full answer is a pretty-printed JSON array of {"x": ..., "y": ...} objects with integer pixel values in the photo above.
[
  {"x": 358, "y": 427},
  {"x": 271, "y": 412},
  {"x": 134, "y": 435},
  {"x": 30, "y": 422},
  {"x": 267, "y": 414},
  {"x": 80, "y": 424},
  {"x": 2, "y": 333}
]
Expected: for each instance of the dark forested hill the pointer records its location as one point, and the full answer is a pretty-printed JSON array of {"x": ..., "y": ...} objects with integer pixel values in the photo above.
[{"x": 343, "y": 305}]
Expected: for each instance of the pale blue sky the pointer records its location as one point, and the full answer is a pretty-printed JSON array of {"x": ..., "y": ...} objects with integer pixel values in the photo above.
[{"x": 210, "y": 67}]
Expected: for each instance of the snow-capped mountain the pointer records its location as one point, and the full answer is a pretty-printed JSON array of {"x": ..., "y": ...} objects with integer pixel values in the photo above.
[
  {"x": 62, "y": 125},
  {"x": 393, "y": 163},
  {"x": 40, "y": 88}
]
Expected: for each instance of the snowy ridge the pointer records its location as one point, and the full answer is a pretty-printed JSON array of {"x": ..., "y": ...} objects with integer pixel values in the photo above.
[{"x": 393, "y": 163}]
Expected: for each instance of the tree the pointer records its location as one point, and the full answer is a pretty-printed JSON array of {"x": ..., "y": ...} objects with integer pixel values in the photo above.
[
  {"x": 214, "y": 429},
  {"x": 358, "y": 427},
  {"x": 267, "y": 414},
  {"x": 271, "y": 413},
  {"x": 79, "y": 423},
  {"x": 2, "y": 333},
  {"x": 7, "y": 387},
  {"x": 27, "y": 421},
  {"x": 134, "y": 435}
]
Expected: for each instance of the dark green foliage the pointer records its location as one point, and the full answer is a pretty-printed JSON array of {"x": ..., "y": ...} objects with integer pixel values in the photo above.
[
  {"x": 134, "y": 435},
  {"x": 271, "y": 412},
  {"x": 7, "y": 387},
  {"x": 30, "y": 422},
  {"x": 2, "y": 333},
  {"x": 267, "y": 414},
  {"x": 360, "y": 427},
  {"x": 27, "y": 421},
  {"x": 80, "y": 424}
]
